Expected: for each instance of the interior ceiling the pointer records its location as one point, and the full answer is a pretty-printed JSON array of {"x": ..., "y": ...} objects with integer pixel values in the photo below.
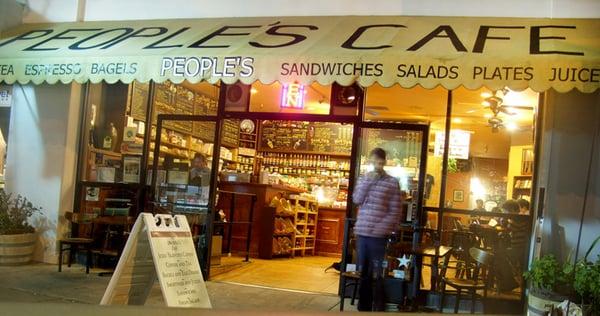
[
  {"x": 419, "y": 104},
  {"x": 395, "y": 103}
]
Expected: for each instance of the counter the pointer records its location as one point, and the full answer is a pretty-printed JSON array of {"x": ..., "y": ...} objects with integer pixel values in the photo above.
[
  {"x": 330, "y": 231},
  {"x": 264, "y": 194}
]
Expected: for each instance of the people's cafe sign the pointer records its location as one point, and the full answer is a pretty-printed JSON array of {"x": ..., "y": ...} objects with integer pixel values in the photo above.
[{"x": 450, "y": 51}]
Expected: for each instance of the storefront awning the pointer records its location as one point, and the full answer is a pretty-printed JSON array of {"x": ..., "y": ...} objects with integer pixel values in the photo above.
[{"x": 450, "y": 51}]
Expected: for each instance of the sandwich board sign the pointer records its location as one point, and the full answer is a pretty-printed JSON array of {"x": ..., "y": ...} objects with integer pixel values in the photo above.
[{"x": 159, "y": 246}]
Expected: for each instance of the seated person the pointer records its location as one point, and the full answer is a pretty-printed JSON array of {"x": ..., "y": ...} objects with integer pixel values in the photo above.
[
  {"x": 511, "y": 250},
  {"x": 523, "y": 207},
  {"x": 479, "y": 207}
]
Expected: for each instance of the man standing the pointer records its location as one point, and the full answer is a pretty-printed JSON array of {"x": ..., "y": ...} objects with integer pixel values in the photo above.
[{"x": 380, "y": 209}]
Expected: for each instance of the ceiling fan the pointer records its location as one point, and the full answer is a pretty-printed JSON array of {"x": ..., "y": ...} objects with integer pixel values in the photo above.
[
  {"x": 496, "y": 124},
  {"x": 496, "y": 103}
]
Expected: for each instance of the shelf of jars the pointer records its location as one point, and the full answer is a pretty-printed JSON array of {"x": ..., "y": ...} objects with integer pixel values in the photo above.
[
  {"x": 177, "y": 144},
  {"x": 306, "y": 173},
  {"x": 305, "y": 161}
]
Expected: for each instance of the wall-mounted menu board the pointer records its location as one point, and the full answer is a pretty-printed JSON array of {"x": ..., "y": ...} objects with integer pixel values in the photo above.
[
  {"x": 205, "y": 105},
  {"x": 204, "y": 130},
  {"x": 230, "y": 133},
  {"x": 177, "y": 99},
  {"x": 317, "y": 137},
  {"x": 139, "y": 100}
]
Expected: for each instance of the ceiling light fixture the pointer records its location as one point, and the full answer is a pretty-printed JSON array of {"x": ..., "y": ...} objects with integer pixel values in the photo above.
[
  {"x": 486, "y": 94},
  {"x": 512, "y": 126},
  {"x": 253, "y": 91}
]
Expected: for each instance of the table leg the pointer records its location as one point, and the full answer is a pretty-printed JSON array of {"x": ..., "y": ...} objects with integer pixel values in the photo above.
[
  {"x": 434, "y": 272},
  {"x": 60, "y": 256},
  {"x": 444, "y": 268}
]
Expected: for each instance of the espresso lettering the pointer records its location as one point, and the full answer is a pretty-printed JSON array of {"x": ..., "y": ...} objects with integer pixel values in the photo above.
[
  {"x": 296, "y": 38},
  {"x": 349, "y": 43}
]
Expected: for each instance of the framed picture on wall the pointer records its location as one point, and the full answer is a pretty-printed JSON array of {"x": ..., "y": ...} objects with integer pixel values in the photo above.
[
  {"x": 131, "y": 169},
  {"x": 527, "y": 162},
  {"x": 458, "y": 196}
]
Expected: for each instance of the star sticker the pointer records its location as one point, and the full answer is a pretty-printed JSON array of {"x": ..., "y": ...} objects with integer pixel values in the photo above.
[{"x": 403, "y": 261}]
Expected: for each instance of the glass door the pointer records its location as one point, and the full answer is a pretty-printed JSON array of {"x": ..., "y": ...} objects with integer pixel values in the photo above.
[
  {"x": 182, "y": 174},
  {"x": 406, "y": 149},
  {"x": 406, "y": 157}
]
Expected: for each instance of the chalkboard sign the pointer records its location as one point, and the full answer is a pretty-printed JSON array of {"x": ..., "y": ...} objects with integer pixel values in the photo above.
[
  {"x": 205, "y": 131},
  {"x": 139, "y": 100},
  {"x": 164, "y": 98},
  {"x": 205, "y": 105},
  {"x": 230, "y": 133},
  {"x": 184, "y": 104},
  {"x": 330, "y": 137},
  {"x": 174, "y": 99},
  {"x": 317, "y": 137},
  {"x": 284, "y": 135}
]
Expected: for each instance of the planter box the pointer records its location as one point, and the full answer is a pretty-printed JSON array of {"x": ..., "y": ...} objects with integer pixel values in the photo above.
[
  {"x": 540, "y": 304},
  {"x": 16, "y": 249}
]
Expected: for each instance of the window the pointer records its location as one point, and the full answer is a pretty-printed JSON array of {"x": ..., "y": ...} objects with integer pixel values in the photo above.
[
  {"x": 491, "y": 148},
  {"x": 416, "y": 105}
]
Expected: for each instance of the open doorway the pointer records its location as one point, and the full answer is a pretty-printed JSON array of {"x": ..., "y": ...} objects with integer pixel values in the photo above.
[{"x": 283, "y": 200}]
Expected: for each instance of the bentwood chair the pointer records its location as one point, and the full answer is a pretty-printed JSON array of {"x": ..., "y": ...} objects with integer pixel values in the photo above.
[
  {"x": 479, "y": 281},
  {"x": 461, "y": 242},
  {"x": 74, "y": 244}
]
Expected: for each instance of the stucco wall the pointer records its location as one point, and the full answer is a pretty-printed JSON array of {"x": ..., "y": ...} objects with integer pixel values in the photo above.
[{"x": 40, "y": 161}]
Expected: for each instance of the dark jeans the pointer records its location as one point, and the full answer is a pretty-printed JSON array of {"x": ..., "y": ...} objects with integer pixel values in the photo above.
[{"x": 371, "y": 252}]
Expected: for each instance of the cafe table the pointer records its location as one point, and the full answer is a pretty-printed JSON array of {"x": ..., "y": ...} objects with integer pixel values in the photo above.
[{"x": 433, "y": 252}]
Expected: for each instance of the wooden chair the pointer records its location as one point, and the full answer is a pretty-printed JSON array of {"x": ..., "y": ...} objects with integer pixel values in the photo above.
[
  {"x": 461, "y": 242},
  {"x": 73, "y": 244},
  {"x": 478, "y": 281},
  {"x": 349, "y": 279}
]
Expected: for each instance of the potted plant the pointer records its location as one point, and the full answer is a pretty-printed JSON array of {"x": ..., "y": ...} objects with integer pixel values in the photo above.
[
  {"x": 550, "y": 284},
  {"x": 17, "y": 236},
  {"x": 587, "y": 282}
]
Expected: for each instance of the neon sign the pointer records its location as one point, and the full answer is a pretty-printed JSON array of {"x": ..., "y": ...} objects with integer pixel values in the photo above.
[{"x": 292, "y": 96}]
